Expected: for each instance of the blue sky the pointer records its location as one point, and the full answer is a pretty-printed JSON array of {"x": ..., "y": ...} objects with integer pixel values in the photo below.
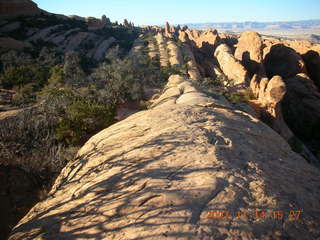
[{"x": 187, "y": 11}]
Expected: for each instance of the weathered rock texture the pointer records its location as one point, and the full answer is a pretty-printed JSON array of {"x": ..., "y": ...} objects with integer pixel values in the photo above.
[
  {"x": 157, "y": 174},
  {"x": 230, "y": 66}
]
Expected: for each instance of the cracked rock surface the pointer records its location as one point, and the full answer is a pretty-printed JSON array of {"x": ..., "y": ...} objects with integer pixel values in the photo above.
[{"x": 159, "y": 173}]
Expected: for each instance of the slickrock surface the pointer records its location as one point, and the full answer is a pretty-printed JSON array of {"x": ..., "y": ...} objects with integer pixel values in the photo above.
[
  {"x": 102, "y": 48},
  {"x": 153, "y": 50},
  {"x": 230, "y": 66},
  {"x": 193, "y": 70},
  {"x": 175, "y": 55},
  {"x": 158, "y": 173},
  {"x": 164, "y": 57}
]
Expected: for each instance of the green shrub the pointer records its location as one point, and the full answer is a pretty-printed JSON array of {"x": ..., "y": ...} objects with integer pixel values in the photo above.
[
  {"x": 24, "y": 74},
  {"x": 238, "y": 97},
  {"x": 166, "y": 72},
  {"x": 82, "y": 119},
  {"x": 24, "y": 94},
  {"x": 211, "y": 82},
  {"x": 76, "y": 117}
]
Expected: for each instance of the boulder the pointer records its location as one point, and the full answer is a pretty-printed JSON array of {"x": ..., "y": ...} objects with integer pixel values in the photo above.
[
  {"x": 283, "y": 61},
  {"x": 312, "y": 61},
  {"x": 249, "y": 52},
  {"x": 230, "y": 66},
  {"x": 191, "y": 167},
  {"x": 301, "y": 107},
  {"x": 269, "y": 96},
  {"x": 207, "y": 41}
]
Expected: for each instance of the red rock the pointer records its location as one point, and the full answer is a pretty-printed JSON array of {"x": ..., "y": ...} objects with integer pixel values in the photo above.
[{"x": 14, "y": 8}]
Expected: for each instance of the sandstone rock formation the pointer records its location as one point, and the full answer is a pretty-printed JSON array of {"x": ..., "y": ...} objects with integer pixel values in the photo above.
[
  {"x": 175, "y": 55},
  {"x": 159, "y": 173},
  {"x": 269, "y": 95},
  {"x": 164, "y": 57},
  {"x": 207, "y": 41},
  {"x": 192, "y": 65},
  {"x": 183, "y": 36},
  {"x": 302, "y": 107},
  {"x": 312, "y": 61},
  {"x": 14, "y": 8},
  {"x": 230, "y": 66},
  {"x": 249, "y": 52},
  {"x": 102, "y": 48},
  {"x": 153, "y": 49},
  {"x": 283, "y": 61}
]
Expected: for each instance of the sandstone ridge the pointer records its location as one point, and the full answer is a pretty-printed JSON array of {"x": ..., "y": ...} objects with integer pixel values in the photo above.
[{"x": 158, "y": 173}]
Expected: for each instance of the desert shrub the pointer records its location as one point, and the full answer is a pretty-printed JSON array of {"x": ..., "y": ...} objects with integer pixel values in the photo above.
[
  {"x": 24, "y": 94},
  {"x": 123, "y": 78},
  {"x": 74, "y": 76},
  {"x": 238, "y": 97},
  {"x": 81, "y": 120},
  {"x": 56, "y": 78},
  {"x": 24, "y": 74},
  {"x": 76, "y": 117},
  {"x": 27, "y": 140},
  {"x": 211, "y": 82},
  {"x": 166, "y": 72}
]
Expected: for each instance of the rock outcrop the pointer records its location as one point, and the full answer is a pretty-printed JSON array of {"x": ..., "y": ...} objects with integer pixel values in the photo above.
[
  {"x": 164, "y": 56},
  {"x": 230, "y": 66},
  {"x": 312, "y": 61},
  {"x": 14, "y": 8},
  {"x": 192, "y": 65},
  {"x": 269, "y": 94},
  {"x": 250, "y": 52},
  {"x": 191, "y": 167},
  {"x": 302, "y": 107},
  {"x": 175, "y": 55},
  {"x": 283, "y": 61},
  {"x": 207, "y": 41}
]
